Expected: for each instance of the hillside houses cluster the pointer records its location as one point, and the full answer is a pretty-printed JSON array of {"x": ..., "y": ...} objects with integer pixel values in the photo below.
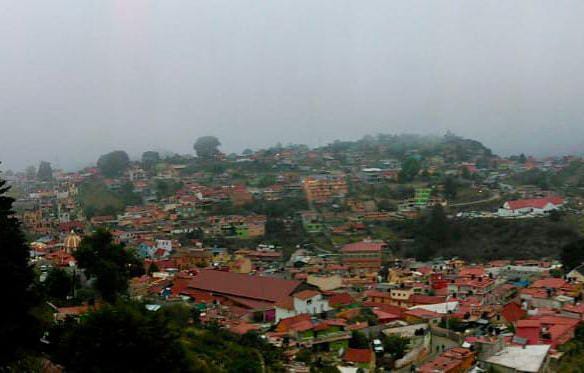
[{"x": 212, "y": 237}]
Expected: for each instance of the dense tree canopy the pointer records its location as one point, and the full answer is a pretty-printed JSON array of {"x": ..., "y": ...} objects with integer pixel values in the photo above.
[
  {"x": 150, "y": 159},
  {"x": 207, "y": 147},
  {"x": 18, "y": 327},
  {"x": 113, "y": 164},
  {"x": 110, "y": 264},
  {"x": 121, "y": 338},
  {"x": 573, "y": 254},
  {"x": 45, "y": 172},
  {"x": 410, "y": 168}
]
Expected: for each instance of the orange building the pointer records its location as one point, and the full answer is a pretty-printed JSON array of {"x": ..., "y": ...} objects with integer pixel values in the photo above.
[
  {"x": 455, "y": 360},
  {"x": 323, "y": 188}
]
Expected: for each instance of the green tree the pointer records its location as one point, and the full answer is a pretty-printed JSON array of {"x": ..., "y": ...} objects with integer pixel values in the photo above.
[
  {"x": 113, "y": 164},
  {"x": 395, "y": 345},
  {"x": 30, "y": 172},
  {"x": 128, "y": 196},
  {"x": 358, "y": 340},
  {"x": 150, "y": 159},
  {"x": 19, "y": 328},
  {"x": 121, "y": 338},
  {"x": 450, "y": 188},
  {"x": 573, "y": 254},
  {"x": 207, "y": 147},
  {"x": 434, "y": 233},
  {"x": 45, "y": 172},
  {"x": 410, "y": 169},
  {"x": 110, "y": 264},
  {"x": 58, "y": 284}
]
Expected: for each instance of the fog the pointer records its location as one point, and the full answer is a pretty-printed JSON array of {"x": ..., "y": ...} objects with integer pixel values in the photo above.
[{"x": 80, "y": 78}]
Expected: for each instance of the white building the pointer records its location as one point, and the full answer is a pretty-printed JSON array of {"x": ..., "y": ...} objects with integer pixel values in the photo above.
[
  {"x": 535, "y": 206},
  {"x": 305, "y": 302}
]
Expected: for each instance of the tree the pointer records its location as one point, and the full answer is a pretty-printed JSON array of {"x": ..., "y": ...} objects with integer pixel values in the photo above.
[
  {"x": 113, "y": 164},
  {"x": 45, "y": 172},
  {"x": 395, "y": 345},
  {"x": 30, "y": 172},
  {"x": 19, "y": 327},
  {"x": 434, "y": 233},
  {"x": 247, "y": 152},
  {"x": 358, "y": 340},
  {"x": 121, "y": 338},
  {"x": 207, "y": 147},
  {"x": 110, "y": 264},
  {"x": 522, "y": 158},
  {"x": 573, "y": 255},
  {"x": 450, "y": 188},
  {"x": 150, "y": 159},
  {"x": 58, "y": 284},
  {"x": 410, "y": 169},
  {"x": 166, "y": 188}
]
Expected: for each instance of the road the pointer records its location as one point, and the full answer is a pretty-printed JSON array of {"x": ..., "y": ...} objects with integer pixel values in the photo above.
[{"x": 494, "y": 197}]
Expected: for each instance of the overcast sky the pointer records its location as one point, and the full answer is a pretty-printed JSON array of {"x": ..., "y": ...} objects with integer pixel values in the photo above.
[{"x": 79, "y": 78}]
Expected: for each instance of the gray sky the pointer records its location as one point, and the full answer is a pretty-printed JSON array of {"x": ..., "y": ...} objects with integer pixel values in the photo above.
[{"x": 79, "y": 78}]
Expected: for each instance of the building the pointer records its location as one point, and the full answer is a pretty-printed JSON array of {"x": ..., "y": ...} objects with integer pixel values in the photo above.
[
  {"x": 365, "y": 256},
  {"x": 531, "y": 359},
  {"x": 455, "y": 360},
  {"x": 535, "y": 206},
  {"x": 309, "y": 302},
  {"x": 324, "y": 188}
]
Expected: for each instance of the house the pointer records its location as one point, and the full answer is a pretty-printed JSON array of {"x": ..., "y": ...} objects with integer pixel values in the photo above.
[
  {"x": 323, "y": 188},
  {"x": 455, "y": 360},
  {"x": 529, "y": 359},
  {"x": 512, "y": 312},
  {"x": 573, "y": 310},
  {"x": 577, "y": 274},
  {"x": 534, "y": 206},
  {"x": 420, "y": 315},
  {"x": 363, "y": 358},
  {"x": 254, "y": 294},
  {"x": 363, "y": 256},
  {"x": 551, "y": 330},
  {"x": 307, "y": 301}
]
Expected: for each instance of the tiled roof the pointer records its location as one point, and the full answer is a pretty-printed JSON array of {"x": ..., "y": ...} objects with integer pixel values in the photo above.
[
  {"x": 358, "y": 355},
  {"x": 363, "y": 247},
  {"x": 306, "y": 294},
  {"x": 534, "y": 203},
  {"x": 252, "y": 287}
]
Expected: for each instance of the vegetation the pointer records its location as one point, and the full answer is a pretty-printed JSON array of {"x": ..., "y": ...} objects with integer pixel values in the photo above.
[
  {"x": 484, "y": 239},
  {"x": 96, "y": 199},
  {"x": 395, "y": 345},
  {"x": 45, "y": 172},
  {"x": 19, "y": 327},
  {"x": 150, "y": 159},
  {"x": 572, "y": 254},
  {"x": 110, "y": 264},
  {"x": 58, "y": 284},
  {"x": 207, "y": 147},
  {"x": 113, "y": 164}
]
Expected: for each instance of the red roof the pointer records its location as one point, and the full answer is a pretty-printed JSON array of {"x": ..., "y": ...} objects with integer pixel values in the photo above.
[
  {"x": 306, "y": 294},
  {"x": 534, "y": 203},
  {"x": 363, "y": 247},
  {"x": 358, "y": 355},
  {"x": 286, "y": 323},
  {"x": 340, "y": 299},
  {"x": 513, "y": 312},
  {"x": 253, "y": 287}
]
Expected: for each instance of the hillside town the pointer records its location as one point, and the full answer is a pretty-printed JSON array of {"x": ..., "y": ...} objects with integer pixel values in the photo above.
[{"x": 391, "y": 253}]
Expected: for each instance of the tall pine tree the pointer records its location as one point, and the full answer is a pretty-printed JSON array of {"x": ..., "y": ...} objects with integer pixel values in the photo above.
[{"x": 19, "y": 329}]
